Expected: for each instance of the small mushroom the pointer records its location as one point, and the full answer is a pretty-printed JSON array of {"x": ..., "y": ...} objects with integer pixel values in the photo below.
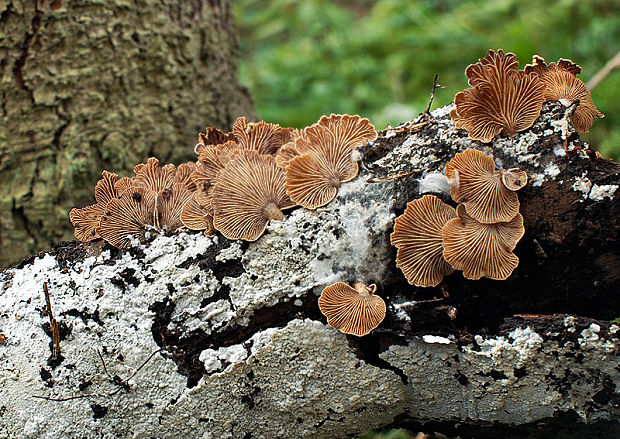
[
  {"x": 150, "y": 175},
  {"x": 128, "y": 215},
  {"x": 86, "y": 219},
  {"x": 212, "y": 136},
  {"x": 248, "y": 193},
  {"x": 475, "y": 183},
  {"x": 324, "y": 163},
  {"x": 418, "y": 237},
  {"x": 355, "y": 311},
  {"x": 266, "y": 138},
  {"x": 482, "y": 249},
  {"x": 195, "y": 216},
  {"x": 501, "y": 99},
  {"x": 561, "y": 84},
  {"x": 285, "y": 154},
  {"x": 514, "y": 178}
]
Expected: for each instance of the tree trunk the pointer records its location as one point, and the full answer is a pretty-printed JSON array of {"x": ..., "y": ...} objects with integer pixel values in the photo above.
[
  {"x": 90, "y": 85},
  {"x": 193, "y": 337}
]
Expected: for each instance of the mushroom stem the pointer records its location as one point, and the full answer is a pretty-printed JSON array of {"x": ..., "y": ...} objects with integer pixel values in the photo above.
[
  {"x": 273, "y": 212},
  {"x": 364, "y": 290},
  {"x": 334, "y": 181}
]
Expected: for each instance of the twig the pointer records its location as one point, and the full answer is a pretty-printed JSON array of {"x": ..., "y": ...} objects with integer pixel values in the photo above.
[
  {"x": 611, "y": 65},
  {"x": 430, "y": 102},
  {"x": 122, "y": 383},
  {"x": 53, "y": 325},
  {"x": 389, "y": 177}
]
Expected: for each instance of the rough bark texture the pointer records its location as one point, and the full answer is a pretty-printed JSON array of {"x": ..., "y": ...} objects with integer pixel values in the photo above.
[
  {"x": 240, "y": 349},
  {"x": 91, "y": 85}
]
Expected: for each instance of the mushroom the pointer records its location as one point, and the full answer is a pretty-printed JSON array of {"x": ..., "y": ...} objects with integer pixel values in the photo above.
[
  {"x": 325, "y": 148},
  {"x": 170, "y": 201},
  {"x": 195, "y": 216},
  {"x": 355, "y": 311},
  {"x": 128, "y": 215},
  {"x": 514, "y": 178},
  {"x": 418, "y": 237},
  {"x": 501, "y": 99},
  {"x": 249, "y": 192},
  {"x": 561, "y": 84},
  {"x": 86, "y": 219},
  {"x": 475, "y": 183},
  {"x": 150, "y": 175},
  {"x": 482, "y": 249},
  {"x": 212, "y": 136},
  {"x": 266, "y": 138},
  {"x": 286, "y": 153}
]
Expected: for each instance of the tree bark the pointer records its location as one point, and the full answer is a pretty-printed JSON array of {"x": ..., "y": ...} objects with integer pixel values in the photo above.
[
  {"x": 90, "y": 85},
  {"x": 195, "y": 337}
]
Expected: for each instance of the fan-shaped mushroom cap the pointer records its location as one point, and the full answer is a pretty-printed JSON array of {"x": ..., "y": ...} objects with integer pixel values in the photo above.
[
  {"x": 249, "y": 192},
  {"x": 194, "y": 215},
  {"x": 184, "y": 175},
  {"x": 285, "y": 154},
  {"x": 312, "y": 178},
  {"x": 562, "y": 85},
  {"x": 212, "y": 136},
  {"x": 355, "y": 311},
  {"x": 127, "y": 215},
  {"x": 476, "y": 184},
  {"x": 418, "y": 237},
  {"x": 266, "y": 138},
  {"x": 86, "y": 219},
  {"x": 514, "y": 178},
  {"x": 502, "y": 99},
  {"x": 150, "y": 175},
  {"x": 482, "y": 249}
]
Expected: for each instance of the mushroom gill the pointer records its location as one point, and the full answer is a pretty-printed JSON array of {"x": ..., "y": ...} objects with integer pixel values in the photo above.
[
  {"x": 482, "y": 249},
  {"x": 418, "y": 237},
  {"x": 127, "y": 216},
  {"x": 476, "y": 184},
  {"x": 501, "y": 99},
  {"x": 355, "y": 311},
  {"x": 248, "y": 193},
  {"x": 266, "y": 138},
  {"x": 562, "y": 84},
  {"x": 86, "y": 219}
]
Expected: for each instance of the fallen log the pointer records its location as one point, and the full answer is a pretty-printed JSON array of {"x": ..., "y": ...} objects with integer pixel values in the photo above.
[{"x": 189, "y": 336}]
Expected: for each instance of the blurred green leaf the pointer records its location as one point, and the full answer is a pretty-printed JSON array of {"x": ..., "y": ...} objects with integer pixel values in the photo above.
[{"x": 301, "y": 60}]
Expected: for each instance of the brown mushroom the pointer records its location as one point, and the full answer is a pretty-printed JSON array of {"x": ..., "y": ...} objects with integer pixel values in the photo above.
[
  {"x": 475, "y": 183},
  {"x": 286, "y": 153},
  {"x": 128, "y": 215},
  {"x": 248, "y": 193},
  {"x": 170, "y": 201},
  {"x": 266, "y": 138},
  {"x": 355, "y": 311},
  {"x": 514, "y": 178},
  {"x": 482, "y": 249},
  {"x": 502, "y": 99},
  {"x": 418, "y": 237},
  {"x": 86, "y": 219},
  {"x": 212, "y": 136},
  {"x": 325, "y": 148},
  {"x": 561, "y": 84},
  {"x": 195, "y": 216},
  {"x": 150, "y": 175}
]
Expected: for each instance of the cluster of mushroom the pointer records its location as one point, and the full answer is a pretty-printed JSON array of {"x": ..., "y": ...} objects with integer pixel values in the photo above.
[
  {"x": 245, "y": 178},
  {"x": 242, "y": 180},
  {"x": 504, "y": 100},
  {"x": 478, "y": 237},
  {"x": 126, "y": 207}
]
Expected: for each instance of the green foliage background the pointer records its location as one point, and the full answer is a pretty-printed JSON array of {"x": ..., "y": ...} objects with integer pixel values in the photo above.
[{"x": 377, "y": 58}]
